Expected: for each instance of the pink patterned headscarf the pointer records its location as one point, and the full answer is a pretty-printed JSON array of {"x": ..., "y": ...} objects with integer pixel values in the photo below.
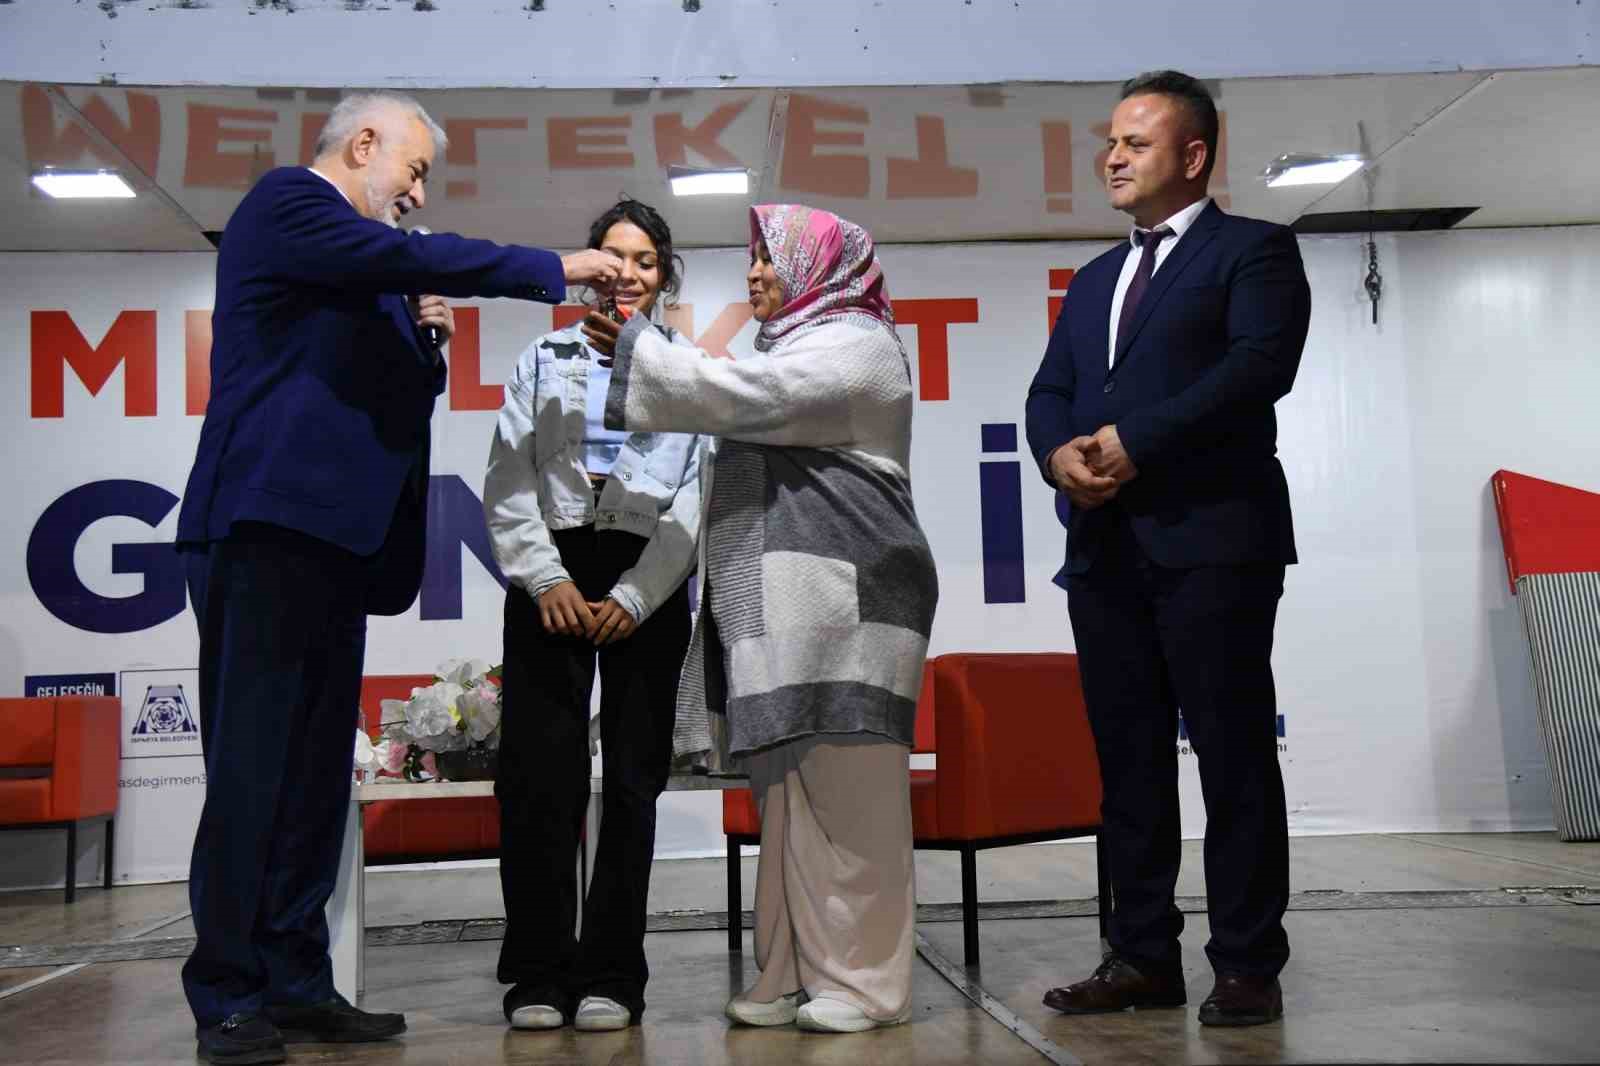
[{"x": 826, "y": 265}]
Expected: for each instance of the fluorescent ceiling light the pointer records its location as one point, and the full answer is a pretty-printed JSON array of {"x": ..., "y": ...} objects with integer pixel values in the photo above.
[
  {"x": 1299, "y": 169},
  {"x": 82, "y": 185},
  {"x": 686, "y": 181}
]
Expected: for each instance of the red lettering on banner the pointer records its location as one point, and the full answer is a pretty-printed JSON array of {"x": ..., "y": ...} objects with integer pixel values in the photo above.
[
  {"x": 463, "y": 151},
  {"x": 564, "y": 315},
  {"x": 1056, "y": 142},
  {"x": 714, "y": 341},
  {"x": 569, "y": 137},
  {"x": 207, "y": 165},
  {"x": 196, "y": 361},
  {"x": 1059, "y": 279},
  {"x": 139, "y": 139},
  {"x": 311, "y": 124},
  {"x": 846, "y": 175},
  {"x": 933, "y": 319},
  {"x": 674, "y": 139},
  {"x": 930, "y": 175},
  {"x": 467, "y": 391},
  {"x": 726, "y": 326},
  {"x": 56, "y": 343}
]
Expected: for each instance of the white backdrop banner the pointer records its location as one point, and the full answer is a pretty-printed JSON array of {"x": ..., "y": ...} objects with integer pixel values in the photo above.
[{"x": 1404, "y": 697}]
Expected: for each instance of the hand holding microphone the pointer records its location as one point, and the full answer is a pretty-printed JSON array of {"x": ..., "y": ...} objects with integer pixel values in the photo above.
[{"x": 432, "y": 314}]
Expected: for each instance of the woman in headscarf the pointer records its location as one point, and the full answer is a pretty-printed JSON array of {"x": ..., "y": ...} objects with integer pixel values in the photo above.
[{"x": 819, "y": 594}]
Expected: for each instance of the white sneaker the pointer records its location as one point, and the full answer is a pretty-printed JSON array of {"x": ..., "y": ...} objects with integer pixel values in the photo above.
[
  {"x": 597, "y": 1014},
  {"x": 823, "y": 1015},
  {"x": 780, "y": 1011},
  {"x": 537, "y": 1016}
]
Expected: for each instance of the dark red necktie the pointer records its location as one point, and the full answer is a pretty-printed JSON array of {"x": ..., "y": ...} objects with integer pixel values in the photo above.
[{"x": 1149, "y": 240}]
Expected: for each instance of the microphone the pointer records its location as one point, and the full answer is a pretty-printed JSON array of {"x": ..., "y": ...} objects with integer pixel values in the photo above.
[{"x": 432, "y": 334}]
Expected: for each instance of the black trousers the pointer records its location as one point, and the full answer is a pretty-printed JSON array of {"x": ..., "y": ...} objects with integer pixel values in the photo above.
[
  {"x": 1151, "y": 641},
  {"x": 543, "y": 782},
  {"x": 282, "y": 632}
]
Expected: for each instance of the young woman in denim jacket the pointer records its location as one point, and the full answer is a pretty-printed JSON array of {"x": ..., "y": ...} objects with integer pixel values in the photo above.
[{"x": 596, "y": 531}]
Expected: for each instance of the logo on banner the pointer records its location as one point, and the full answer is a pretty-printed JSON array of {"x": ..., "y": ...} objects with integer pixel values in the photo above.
[
  {"x": 49, "y": 685},
  {"x": 159, "y": 716},
  {"x": 166, "y": 713}
]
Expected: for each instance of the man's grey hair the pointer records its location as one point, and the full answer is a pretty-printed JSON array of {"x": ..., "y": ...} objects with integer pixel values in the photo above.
[{"x": 356, "y": 111}]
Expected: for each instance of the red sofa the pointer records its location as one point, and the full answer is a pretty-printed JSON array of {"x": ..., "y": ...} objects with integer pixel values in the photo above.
[{"x": 58, "y": 769}]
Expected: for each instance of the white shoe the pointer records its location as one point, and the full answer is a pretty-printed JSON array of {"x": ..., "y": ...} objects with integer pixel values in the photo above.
[
  {"x": 537, "y": 1016},
  {"x": 780, "y": 1011},
  {"x": 823, "y": 1015},
  {"x": 597, "y": 1014}
]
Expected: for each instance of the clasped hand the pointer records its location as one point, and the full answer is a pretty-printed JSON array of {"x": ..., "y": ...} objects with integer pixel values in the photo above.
[
  {"x": 1092, "y": 470},
  {"x": 565, "y": 612}
]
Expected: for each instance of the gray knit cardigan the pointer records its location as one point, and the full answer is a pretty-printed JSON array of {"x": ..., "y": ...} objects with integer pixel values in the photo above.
[{"x": 818, "y": 588}]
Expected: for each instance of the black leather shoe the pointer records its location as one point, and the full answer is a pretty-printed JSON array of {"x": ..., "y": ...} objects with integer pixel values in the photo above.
[
  {"x": 333, "y": 1021},
  {"x": 243, "y": 1039},
  {"x": 1237, "y": 999},
  {"x": 1116, "y": 985}
]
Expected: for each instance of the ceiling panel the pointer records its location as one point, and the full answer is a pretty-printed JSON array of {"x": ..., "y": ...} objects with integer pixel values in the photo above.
[
  {"x": 911, "y": 164},
  {"x": 1524, "y": 149}
]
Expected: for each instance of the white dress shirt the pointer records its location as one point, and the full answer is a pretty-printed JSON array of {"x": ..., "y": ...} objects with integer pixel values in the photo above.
[
  {"x": 340, "y": 191},
  {"x": 1179, "y": 225}
]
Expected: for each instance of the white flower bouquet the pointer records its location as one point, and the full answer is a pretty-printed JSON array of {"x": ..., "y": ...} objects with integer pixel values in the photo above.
[{"x": 449, "y": 730}]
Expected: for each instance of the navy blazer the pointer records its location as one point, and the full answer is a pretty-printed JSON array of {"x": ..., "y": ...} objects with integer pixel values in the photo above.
[
  {"x": 1213, "y": 344},
  {"x": 321, "y": 384}
]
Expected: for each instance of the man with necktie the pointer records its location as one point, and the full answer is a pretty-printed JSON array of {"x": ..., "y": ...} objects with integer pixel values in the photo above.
[
  {"x": 1153, "y": 413},
  {"x": 305, "y": 512}
]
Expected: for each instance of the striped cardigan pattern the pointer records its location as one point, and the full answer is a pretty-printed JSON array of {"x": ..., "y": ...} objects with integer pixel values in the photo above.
[{"x": 818, "y": 586}]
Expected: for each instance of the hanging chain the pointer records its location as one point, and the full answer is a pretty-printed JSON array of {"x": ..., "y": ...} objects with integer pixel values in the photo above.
[{"x": 1374, "y": 282}]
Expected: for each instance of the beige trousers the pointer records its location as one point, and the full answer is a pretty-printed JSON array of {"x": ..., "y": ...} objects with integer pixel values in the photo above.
[{"x": 835, "y": 899}]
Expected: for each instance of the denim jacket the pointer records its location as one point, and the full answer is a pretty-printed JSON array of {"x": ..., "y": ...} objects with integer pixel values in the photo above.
[{"x": 536, "y": 482}]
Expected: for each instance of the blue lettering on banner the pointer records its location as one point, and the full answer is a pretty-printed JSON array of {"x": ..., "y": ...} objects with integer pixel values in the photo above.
[
  {"x": 1000, "y": 515},
  {"x": 1183, "y": 729},
  {"x": 55, "y": 579},
  {"x": 455, "y": 518},
  {"x": 47, "y": 685}
]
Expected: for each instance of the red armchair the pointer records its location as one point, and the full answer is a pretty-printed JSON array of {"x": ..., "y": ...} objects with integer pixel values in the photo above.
[
  {"x": 58, "y": 769},
  {"x": 1016, "y": 765}
]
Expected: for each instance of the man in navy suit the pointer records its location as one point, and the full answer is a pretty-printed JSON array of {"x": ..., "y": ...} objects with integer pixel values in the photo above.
[
  {"x": 305, "y": 512},
  {"x": 1153, "y": 413}
]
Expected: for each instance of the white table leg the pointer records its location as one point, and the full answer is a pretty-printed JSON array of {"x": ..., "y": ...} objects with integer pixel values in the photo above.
[
  {"x": 591, "y": 845},
  {"x": 346, "y": 911},
  {"x": 591, "y": 832}
]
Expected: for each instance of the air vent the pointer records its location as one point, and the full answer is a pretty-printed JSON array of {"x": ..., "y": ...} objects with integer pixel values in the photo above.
[{"x": 1409, "y": 221}]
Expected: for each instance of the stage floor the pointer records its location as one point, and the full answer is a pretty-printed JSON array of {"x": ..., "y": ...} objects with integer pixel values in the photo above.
[{"x": 1458, "y": 947}]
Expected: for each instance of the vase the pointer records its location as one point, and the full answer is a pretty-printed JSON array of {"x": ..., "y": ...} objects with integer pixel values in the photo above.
[{"x": 473, "y": 764}]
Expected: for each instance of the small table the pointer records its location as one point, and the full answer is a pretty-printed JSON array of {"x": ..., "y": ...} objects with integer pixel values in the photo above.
[{"x": 347, "y": 908}]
